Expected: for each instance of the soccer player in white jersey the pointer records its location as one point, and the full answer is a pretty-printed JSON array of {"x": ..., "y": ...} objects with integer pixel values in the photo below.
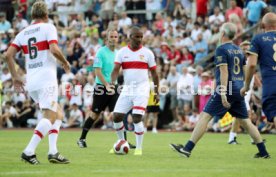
[
  {"x": 39, "y": 45},
  {"x": 135, "y": 61}
]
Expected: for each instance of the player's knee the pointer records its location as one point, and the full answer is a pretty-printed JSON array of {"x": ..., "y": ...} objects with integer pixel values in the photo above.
[
  {"x": 49, "y": 114},
  {"x": 118, "y": 117},
  {"x": 136, "y": 118},
  {"x": 95, "y": 115},
  {"x": 59, "y": 113}
]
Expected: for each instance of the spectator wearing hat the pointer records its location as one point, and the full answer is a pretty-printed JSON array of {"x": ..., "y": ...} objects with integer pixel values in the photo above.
[{"x": 5, "y": 25}]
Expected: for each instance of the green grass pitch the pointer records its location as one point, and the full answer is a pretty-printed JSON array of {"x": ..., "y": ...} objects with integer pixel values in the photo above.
[{"x": 211, "y": 157}]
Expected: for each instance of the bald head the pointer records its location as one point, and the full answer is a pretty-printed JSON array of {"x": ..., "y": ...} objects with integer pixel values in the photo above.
[{"x": 269, "y": 21}]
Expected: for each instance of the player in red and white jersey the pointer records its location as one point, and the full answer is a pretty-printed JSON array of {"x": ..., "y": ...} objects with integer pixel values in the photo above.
[
  {"x": 39, "y": 45},
  {"x": 136, "y": 61}
]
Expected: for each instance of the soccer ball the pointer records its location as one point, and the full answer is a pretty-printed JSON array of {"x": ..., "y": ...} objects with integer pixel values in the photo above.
[{"x": 121, "y": 147}]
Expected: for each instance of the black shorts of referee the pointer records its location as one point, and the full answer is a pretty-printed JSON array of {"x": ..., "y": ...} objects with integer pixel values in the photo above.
[
  {"x": 103, "y": 99},
  {"x": 153, "y": 109}
]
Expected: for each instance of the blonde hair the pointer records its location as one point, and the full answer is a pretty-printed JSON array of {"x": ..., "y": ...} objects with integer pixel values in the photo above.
[{"x": 39, "y": 10}]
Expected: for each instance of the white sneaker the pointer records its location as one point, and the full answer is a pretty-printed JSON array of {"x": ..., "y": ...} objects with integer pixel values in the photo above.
[{"x": 154, "y": 130}]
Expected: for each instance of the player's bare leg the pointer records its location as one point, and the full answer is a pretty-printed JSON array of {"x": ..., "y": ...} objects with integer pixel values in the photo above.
[
  {"x": 200, "y": 127},
  {"x": 255, "y": 135},
  {"x": 233, "y": 132},
  {"x": 154, "y": 122},
  {"x": 197, "y": 133}
]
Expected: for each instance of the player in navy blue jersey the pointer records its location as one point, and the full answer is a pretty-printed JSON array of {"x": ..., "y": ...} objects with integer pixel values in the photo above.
[
  {"x": 263, "y": 50},
  {"x": 230, "y": 62}
]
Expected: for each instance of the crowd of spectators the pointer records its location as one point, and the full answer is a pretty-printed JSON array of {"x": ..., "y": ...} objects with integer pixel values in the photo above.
[{"x": 181, "y": 33}]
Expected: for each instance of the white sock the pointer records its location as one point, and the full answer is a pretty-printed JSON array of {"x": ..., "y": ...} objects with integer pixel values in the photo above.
[
  {"x": 53, "y": 135},
  {"x": 232, "y": 135},
  {"x": 139, "y": 133},
  {"x": 120, "y": 128},
  {"x": 40, "y": 131}
]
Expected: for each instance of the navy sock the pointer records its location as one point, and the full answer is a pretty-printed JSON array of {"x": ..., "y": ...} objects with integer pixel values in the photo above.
[
  {"x": 87, "y": 125},
  {"x": 189, "y": 146},
  {"x": 262, "y": 149},
  {"x": 125, "y": 135}
]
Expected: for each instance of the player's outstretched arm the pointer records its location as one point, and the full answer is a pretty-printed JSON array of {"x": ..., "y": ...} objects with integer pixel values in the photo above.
[
  {"x": 17, "y": 81},
  {"x": 59, "y": 56},
  {"x": 250, "y": 70},
  {"x": 10, "y": 60}
]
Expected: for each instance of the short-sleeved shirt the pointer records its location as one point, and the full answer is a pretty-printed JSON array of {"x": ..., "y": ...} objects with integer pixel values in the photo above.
[
  {"x": 232, "y": 56},
  {"x": 136, "y": 64},
  {"x": 40, "y": 65},
  {"x": 105, "y": 60},
  {"x": 255, "y": 10},
  {"x": 264, "y": 46}
]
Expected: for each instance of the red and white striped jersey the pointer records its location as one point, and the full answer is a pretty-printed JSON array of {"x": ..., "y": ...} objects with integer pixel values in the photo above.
[
  {"x": 135, "y": 64},
  {"x": 40, "y": 63}
]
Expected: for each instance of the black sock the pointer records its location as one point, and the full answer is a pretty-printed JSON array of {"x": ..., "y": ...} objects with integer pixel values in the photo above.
[
  {"x": 125, "y": 135},
  {"x": 189, "y": 146},
  {"x": 262, "y": 149},
  {"x": 87, "y": 125}
]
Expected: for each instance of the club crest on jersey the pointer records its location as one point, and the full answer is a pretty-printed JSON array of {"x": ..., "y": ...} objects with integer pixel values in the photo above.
[
  {"x": 142, "y": 57},
  {"x": 219, "y": 58}
]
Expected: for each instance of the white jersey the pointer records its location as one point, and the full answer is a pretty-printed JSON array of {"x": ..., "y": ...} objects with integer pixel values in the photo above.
[
  {"x": 40, "y": 63},
  {"x": 136, "y": 65}
]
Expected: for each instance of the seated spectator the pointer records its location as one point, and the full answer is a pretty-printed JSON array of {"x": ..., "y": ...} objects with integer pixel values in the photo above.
[
  {"x": 26, "y": 112},
  {"x": 10, "y": 116},
  {"x": 75, "y": 118},
  {"x": 191, "y": 121}
]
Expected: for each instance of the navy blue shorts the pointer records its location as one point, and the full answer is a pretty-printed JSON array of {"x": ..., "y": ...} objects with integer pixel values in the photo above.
[
  {"x": 269, "y": 107},
  {"x": 214, "y": 107}
]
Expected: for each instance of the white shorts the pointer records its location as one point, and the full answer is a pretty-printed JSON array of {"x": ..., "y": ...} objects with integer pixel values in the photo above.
[
  {"x": 125, "y": 103},
  {"x": 47, "y": 98}
]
